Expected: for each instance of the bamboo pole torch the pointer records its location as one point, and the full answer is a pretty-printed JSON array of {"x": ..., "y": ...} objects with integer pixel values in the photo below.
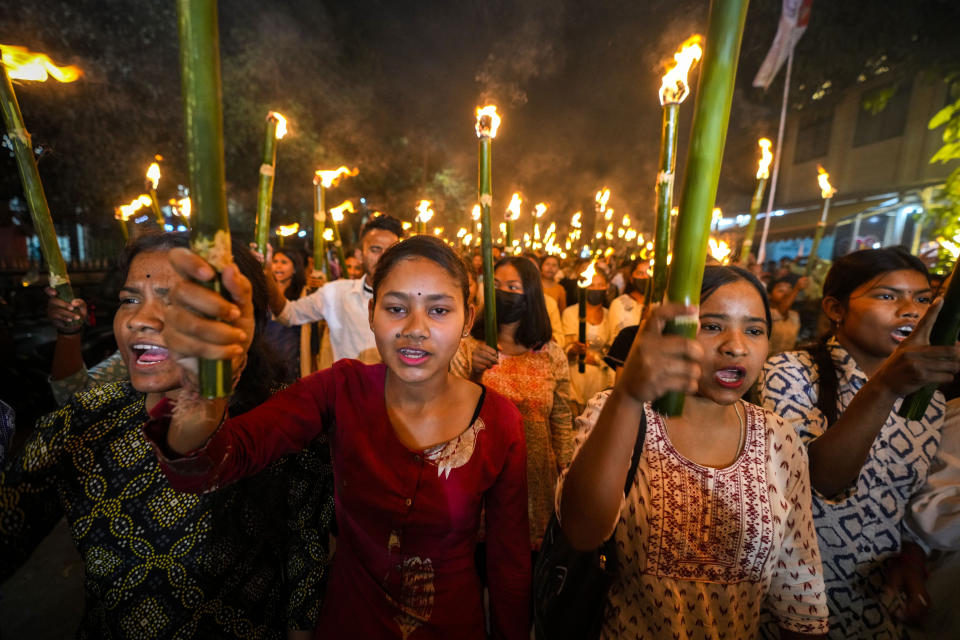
[
  {"x": 424, "y": 215},
  {"x": 763, "y": 173},
  {"x": 701, "y": 176},
  {"x": 203, "y": 115},
  {"x": 153, "y": 179},
  {"x": 673, "y": 90},
  {"x": 512, "y": 215},
  {"x": 24, "y": 65},
  {"x": 336, "y": 217},
  {"x": 826, "y": 191},
  {"x": 583, "y": 282},
  {"x": 276, "y": 129},
  {"x": 944, "y": 332},
  {"x": 487, "y": 123}
]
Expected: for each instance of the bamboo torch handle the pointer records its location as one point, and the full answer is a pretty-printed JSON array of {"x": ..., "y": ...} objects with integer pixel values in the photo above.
[{"x": 486, "y": 242}]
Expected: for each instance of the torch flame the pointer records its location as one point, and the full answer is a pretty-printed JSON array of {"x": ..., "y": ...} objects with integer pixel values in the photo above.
[
  {"x": 487, "y": 121},
  {"x": 514, "y": 207},
  {"x": 625, "y": 222},
  {"x": 153, "y": 174},
  {"x": 185, "y": 206},
  {"x": 575, "y": 221},
  {"x": 826, "y": 191},
  {"x": 331, "y": 177},
  {"x": 462, "y": 231},
  {"x": 145, "y": 200},
  {"x": 540, "y": 209},
  {"x": 674, "y": 87},
  {"x": 586, "y": 278},
  {"x": 337, "y": 212},
  {"x": 720, "y": 250},
  {"x": 475, "y": 214},
  {"x": 23, "y": 64},
  {"x": 602, "y": 197},
  {"x": 288, "y": 229},
  {"x": 125, "y": 211},
  {"x": 763, "y": 169},
  {"x": 424, "y": 212},
  {"x": 281, "y": 124}
]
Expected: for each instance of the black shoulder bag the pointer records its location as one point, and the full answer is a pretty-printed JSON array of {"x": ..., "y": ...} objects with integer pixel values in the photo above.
[{"x": 570, "y": 586}]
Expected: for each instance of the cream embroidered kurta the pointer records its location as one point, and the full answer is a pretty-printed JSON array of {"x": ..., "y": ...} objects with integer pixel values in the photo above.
[{"x": 703, "y": 550}]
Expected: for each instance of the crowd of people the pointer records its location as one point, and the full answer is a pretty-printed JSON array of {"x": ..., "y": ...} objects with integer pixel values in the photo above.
[{"x": 381, "y": 471}]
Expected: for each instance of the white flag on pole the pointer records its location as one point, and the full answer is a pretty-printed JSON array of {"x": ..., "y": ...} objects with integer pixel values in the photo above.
[{"x": 793, "y": 22}]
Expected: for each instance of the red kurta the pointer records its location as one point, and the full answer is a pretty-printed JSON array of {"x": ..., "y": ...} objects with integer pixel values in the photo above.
[{"x": 408, "y": 520}]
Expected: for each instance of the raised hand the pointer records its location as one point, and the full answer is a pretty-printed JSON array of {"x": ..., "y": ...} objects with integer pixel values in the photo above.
[
  {"x": 484, "y": 357},
  {"x": 67, "y": 318},
  {"x": 916, "y": 363},
  {"x": 659, "y": 363}
]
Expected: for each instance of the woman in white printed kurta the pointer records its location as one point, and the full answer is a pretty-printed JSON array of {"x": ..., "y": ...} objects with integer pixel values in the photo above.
[
  {"x": 702, "y": 550},
  {"x": 716, "y": 525}
]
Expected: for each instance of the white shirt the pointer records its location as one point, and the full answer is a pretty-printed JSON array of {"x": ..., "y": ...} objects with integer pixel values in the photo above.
[{"x": 345, "y": 306}]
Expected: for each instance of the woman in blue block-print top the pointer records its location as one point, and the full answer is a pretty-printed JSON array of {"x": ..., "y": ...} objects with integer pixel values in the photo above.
[{"x": 865, "y": 460}]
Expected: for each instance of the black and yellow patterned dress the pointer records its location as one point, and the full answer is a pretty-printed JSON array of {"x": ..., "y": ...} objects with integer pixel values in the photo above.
[{"x": 247, "y": 562}]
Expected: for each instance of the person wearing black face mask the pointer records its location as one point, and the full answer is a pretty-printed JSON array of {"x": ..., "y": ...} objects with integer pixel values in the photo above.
[
  {"x": 597, "y": 376},
  {"x": 531, "y": 370},
  {"x": 625, "y": 310}
]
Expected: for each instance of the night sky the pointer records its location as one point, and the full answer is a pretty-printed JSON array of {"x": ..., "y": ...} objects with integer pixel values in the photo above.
[{"x": 391, "y": 86}]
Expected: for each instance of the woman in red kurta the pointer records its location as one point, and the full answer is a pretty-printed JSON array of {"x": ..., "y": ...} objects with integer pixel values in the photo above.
[{"x": 417, "y": 452}]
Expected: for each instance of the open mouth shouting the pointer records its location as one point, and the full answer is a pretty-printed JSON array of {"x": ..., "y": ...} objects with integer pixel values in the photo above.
[
  {"x": 148, "y": 355},
  {"x": 730, "y": 377},
  {"x": 902, "y": 332}
]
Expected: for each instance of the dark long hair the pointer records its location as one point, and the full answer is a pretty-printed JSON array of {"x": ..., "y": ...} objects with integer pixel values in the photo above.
[
  {"x": 715, "y": 276},
  {"x": 299, "y": 279},
  {"x": 855, "y": 269},
  {"x": 534, "y": 330}
]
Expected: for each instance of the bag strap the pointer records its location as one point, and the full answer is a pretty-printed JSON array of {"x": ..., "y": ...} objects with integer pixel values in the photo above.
[
  {"x": 637, "y": 452},
  {"x": 828, "y": 387}
]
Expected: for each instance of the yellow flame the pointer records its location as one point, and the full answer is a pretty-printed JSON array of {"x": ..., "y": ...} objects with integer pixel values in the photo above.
[
  {"x": 125, "y": 211},
  {"x": 337, "y": 212},
  {"x": 717, "y": 214},
  {"x": 331, "y": 177},
  {"x": 328, "y": 234},
  {"x": 288, "y": 229},
  {"x": 23, "y": 64},
  {"x": 153, "y": 174},
  {"x": 826, "y": 191},
  {"x": 145, "y": 200},
  {"x": 487, "y": 121},
  {"x": 281, "y": 124},
  {"x": 185, "y": 206},
  {"x": 766, "y": 156},
  {"x": 539, "y": 209},
  {"x": 475, "y": 214},
  {"x": 514, "y": 207},
  {"x": 467, "y": 239},
  {"x": 586, "y": 278},
  {"x": 674, "y": 87},
  {"x": 437, "y": 231},
  {"x": 630, "y": 235},
  {"x": 406, "y": 225},
  {"x": 575, "y": 220},
  {"x": 720, "y": 250},
  {"x": 424, "y": 212},
  {"x": 602, "y": 197},
  {"x": 625, "y": 221}
]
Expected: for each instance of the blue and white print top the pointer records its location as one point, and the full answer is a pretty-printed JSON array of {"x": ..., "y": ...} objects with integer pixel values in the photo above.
[{"x": 862, "y": 526}]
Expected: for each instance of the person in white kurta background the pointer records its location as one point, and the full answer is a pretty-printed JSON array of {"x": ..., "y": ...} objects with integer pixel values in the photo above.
[
  {"x": 717, "y": 524},
  {"x": 597, "y": 376},
  {"x": 625, "y": 310}
]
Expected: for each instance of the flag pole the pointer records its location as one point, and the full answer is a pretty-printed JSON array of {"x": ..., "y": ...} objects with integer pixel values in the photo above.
[{"x": 762, "y": 251}]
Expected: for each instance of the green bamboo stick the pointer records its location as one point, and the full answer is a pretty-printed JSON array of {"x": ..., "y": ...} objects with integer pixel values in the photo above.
[
  {"x": 755, "y": 204},
  {"x": 319, "y": 224},
  {"x": 338, "y": 245},
  {"x": 945, "y": 330},
  {"x": 486, "y": 130},
  {"x": 203, "y": 115},
  {"x": 817, "y": 237},
  {"x": 265, "y": 185},
  {"x": 665, "y": 176},
  {"x": 33, "y": 189},
  {"x": 711, "y": 114}
]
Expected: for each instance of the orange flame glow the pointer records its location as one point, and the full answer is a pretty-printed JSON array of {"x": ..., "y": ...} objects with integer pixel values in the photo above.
[
  {"x": 766, "y": 157},
  {"x": 513, "y": 209},
  {"x": 720, "y": 250},
  {"x": 331, "y": 177},
  {"x": 287, "y": 230},
  {"x": 281, "y": 124},
  {"x": 539, "y": 209},
  {"x": 826, "y": 191},
  {"x": 586, "y": 278},
  {"x": 23, "y": 64},
  {"x": 424, "y": 212},
  {"x": 153, "y": 174},
  {"x": 602, "y": 197},
  {"x": 185, "y": 207},
  {"x": 337, "y": 212},
  {"x": 575, "y": 220},
  {"x": 487, "y": 121},
  {"x": 475, "y": 214},
  {"x": 674, "y": 87}
]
